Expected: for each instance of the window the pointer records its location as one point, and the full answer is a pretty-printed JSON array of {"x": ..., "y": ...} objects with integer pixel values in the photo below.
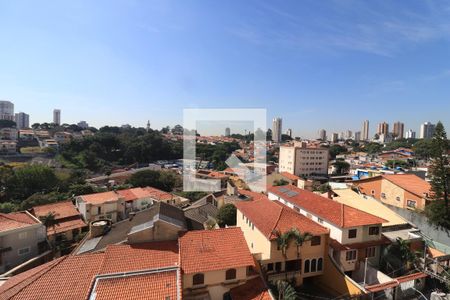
[
  {"x": 370, "y": 252},
  {"x": 350, "y": 255},
  {"x": 22, "y": 235},
  {"x": 320, "y": 264},
  {"x": 307, "y": 266},
  {"x": 374, "y": 230},
  {"x": 372, "y": 192},
  {"x": 99, "y": 210},
  {"x": 397, "y": 198},
  {"x": 320, "y": 220},
  {"x": 411, "y": 203},
  {"x": 198, "y": 279},
  {"x": 278, "y": 266},
  {"x": 315, "y": 241},
  {"x": 270, "y": 267},
  {"x": 230, "y": 274},
  {"x": 352, "y": 233},
  {"x": 313, "y": 265},
  {"x": 23, "y": 251},
  {"x": 293, "y": 265},
  {"x": 383, "y": 195}
]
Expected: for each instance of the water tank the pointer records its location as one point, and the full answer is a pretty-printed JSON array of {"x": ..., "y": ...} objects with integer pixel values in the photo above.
[{"x": 99, "y": 228}]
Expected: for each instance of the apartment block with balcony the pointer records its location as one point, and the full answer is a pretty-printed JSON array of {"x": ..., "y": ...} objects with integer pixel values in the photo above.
[
  {"x": 303, "y": 160},
  {"x": 263, "y": 221}
]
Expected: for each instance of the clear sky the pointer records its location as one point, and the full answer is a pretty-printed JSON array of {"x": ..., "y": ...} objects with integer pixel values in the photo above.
[{"x": 316, "y": 64}]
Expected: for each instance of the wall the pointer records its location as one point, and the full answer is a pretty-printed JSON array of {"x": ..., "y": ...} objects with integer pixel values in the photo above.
[
  {"x": 256, "y": 241},
  {"x": 366, "y": 187},
  {"x": 287, "y": 159},
  {"x": 391, "y": 192}
]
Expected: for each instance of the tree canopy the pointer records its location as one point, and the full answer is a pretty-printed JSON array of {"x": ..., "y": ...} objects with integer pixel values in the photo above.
[{"x": 227, "y": 215}]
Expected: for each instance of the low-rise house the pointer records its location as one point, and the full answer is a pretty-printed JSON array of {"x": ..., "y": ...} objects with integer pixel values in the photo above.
[
  {"x": 401, "y": 190},
  {"x": 8, "y": 133},
  {"x": 62, "y": 137},
  {"x": 107, "y": 205},
  {"x": 264, "y": 221},
  {"x": 68, "y": 220},
  {"x": 49, "y": 143},
  {"x": 202, "y": 214},
  {"x": 8, "y": 147},
  {"x": 355, "y": 235},
  {"x": 213, "y": 262},
  {"x": 26, "y": 134},
  {"x": 22, "y": 237}
]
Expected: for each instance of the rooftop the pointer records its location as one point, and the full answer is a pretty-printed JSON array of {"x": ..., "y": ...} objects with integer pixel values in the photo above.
[
  {"x": 61, "y": 210},
  {"x": 16, "y": 220},
  {"x": 410, "y": 182},
  {"x": 100, "y": 198},
  {"x": 339, "y": 214},
  {"x": 269, "y": 216},
  {"x": 253, "y": 289},
  {"x": 209, "y": 250}
]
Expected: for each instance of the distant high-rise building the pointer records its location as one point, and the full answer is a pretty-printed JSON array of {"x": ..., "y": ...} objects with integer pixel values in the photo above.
[
  {"x": 365, "y": 131},
  {"x": 289, "y": 132},
  {"x": 148, "y": 125},
  {"x": 427, "y": 130},
  {"x": 410, "y": 134},
  {"x": 357, "y": 136},
  {"x": 277, "y": 129},
  {"x": 399, "y": 130},
  {"x": 6, "y": 110},
  {"x": 83, "y": 124},
  {"x": 22, "y": 120},
  {"x": 335, "y": 137},
  {"x": 57, "y": 116},
  {"x": 227, "y": 131},
  {"x": 323, "y": 134},
  {"x": 342, "y": 136},
  {"x": 383, "y": 128},
  {"x": 349, "y": 134}
]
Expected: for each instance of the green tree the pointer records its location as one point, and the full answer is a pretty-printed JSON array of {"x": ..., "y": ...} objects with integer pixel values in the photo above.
[
  {"x": 423, "y": 148},
  {"x": 342, "y": 167},
  {"x": 163, "y": 180},
  {"x": 283, "y": 239},
  {"x": 285, "y": 291},
  {"x": 49, "y": 220},
  {"x": 280, "y": 182},
  {"x": 373, "y": 148},
  {"x": 337, "y": 150},
  {"x": 227, "y": 215}
]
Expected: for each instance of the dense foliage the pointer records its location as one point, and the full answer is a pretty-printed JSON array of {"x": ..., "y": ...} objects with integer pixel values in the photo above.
[
  {"x": 163, "y": 180},
  {"x": 227, "y": 215}
]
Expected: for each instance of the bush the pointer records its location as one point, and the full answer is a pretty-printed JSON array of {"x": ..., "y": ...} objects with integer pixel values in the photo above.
[{"x": 227, "y": 215}]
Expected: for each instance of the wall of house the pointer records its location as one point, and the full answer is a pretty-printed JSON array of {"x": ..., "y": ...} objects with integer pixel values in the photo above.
[
  {"x": 392, "y": 192},
  {"x": 214, "y": 282},
  {"x": 257, "y": 242},
  {"x": 23, "y": 238},
  {"x": 420, "y": 201},
  {"x": 370, "y": 187}
]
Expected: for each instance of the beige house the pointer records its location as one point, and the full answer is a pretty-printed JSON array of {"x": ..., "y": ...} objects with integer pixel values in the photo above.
[
  {"x": 107, "y": 205},
  {"x": 303, "y": 160},
  {"x": 261, "y": 220}
]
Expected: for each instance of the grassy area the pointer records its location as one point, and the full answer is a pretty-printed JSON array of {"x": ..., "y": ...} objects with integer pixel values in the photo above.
[{"x": 29, "y": 150}]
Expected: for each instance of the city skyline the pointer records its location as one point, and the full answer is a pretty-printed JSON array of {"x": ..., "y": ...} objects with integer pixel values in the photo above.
[{"x": 166, "y": 56}]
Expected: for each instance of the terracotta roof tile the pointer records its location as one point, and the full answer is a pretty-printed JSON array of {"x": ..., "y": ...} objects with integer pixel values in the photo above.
[
  {"x": 100, "y": 198},
  {"x": 272, "y": 215},
  {"x": 253, "y": 289},
  {"x": 410, "y": 182},
  {"x": 16, "y": 220},
  {"x": 154, "y": 286},
  {"x": 61, "y": 210},
  {"x": 289, "y": 176},
  {"x": 209, "y": 250},
  {"x": 339, "y": 214},
  {"x": 66, "y": 225}
]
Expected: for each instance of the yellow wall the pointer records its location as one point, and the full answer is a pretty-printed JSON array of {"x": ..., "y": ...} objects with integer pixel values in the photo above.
[{"x": 392, "y": 191}]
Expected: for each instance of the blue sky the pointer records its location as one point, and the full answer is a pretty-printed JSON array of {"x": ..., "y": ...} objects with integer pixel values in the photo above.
[{"x": 317, "y": 64}]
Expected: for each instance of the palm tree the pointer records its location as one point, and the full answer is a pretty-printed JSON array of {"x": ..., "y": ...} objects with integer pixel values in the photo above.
[
  {"x": 299, "y": 238},
  {"x": 283, "y": 239},
  {"x": 49, "y": 220},
  {"x": 285, "y": 291}
]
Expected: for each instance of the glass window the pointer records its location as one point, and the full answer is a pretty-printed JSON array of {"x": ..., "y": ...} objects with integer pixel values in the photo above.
[
  {"x": 315, "y": 241},
  {"x": 313, "y": 265},
  {"x": 411, "y": 203},
  {"x": 270, "y": 267},
  {"x": 370, "y": 252},
  {"x": 198, "y": 279},
  {"x": 319, "y": 264},
  {"x": 230, "y": 274},
  {"x": 350, "y": 255},
  {"x": 352, "y": 233},
  {"x": 307, "y": 266},
  {"x": 23, "y": 251},
  {"x": 374, "y": 230},
  {"x": 383, "y": 195},
  {"x": 293, "y": 265},
  {"x": 278, "y": 266}
]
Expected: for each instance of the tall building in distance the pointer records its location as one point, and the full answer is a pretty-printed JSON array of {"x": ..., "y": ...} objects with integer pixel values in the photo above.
[
  {"x": 83, "y": 124},
  {"x": 383, "y": 128},
  {"x": 6, "y": 110},
  {"x": 227, "y": 131},
  {"x": 399, "y": 130},
  {"x": 289, "y": 132},
  {"x": 357, "y": 136},
  {"x": 335, "y": 137},
  {"x": 277, "y": 124},
  {"x": 427, "y": 130},
  {"x": 349, "y": 134},
  {"x": 365, "y": 131},
  {"x": 410, "y": 134},
  {"x": 57, "y": 116},
  {"x": 322, "y": 135},
  {"x": 22, "y": 120}
]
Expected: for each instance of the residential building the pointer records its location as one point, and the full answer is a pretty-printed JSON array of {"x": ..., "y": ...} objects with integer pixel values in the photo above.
[
  {"x": 6, "y": 110},
  {"x": 213, "y": 262},
  {"x": 62, "y": 137},
  {"x": 348, "y": 134},
  {"x": 277, "y": 129},
  {"x": 323, "y": 135},
  {"x": 227, "y": 131},
  {"x": 399, "y": 130},
  {"x": 202, "y": 214},
  {"x": 303, "y": 160},
  {"x": 383, "y": 128},
  {"x": 8, "y": 147},
  {"x": 410, "y": 134},
  {"x": 357, "y": 136},
  {"x": 427, "y": 130},
  {"x": 106, "y": 205},
  {"x": 9, "y": 133},
  {"x": 354, "y": 234},
  {"x": 400, "y": 190},
  {"x": 22, "y": 120},
  {"x": 22, "y": 237},
  {"x": 263, "y": 221},
  {"x": 83, "y": 124},
  {"x": 289, "y": 132},
  {"x": 68, "y": 220},
  {"x": 365, "y": 131},
  {"x": 335, "y": 137},
  {"x": 57, "y": 116},
  {"x": 141, "y": 198}
]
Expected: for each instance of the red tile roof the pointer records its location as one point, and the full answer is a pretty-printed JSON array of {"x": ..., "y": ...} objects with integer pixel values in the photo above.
[
  {"x": 145, "y": 256},
  {"x": 410, "y": 182},
  {"x": 253, "y": 289},
  {"x": 16, "y": 220},
  {"x": 289, "y": 176},
  {"x": 339, "y": 214},
  {"x": 158, "y": 194},
  {"x": 61, "y": 210},
  {"x": 100, "y": 198},
  {"x": 210, "y": 250},
  {"x": 269, "y": 216},
  {"x": 160, "y": 285},
  {"x": 147, "y": 192},
  {"x": 66, "y": 225}
]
